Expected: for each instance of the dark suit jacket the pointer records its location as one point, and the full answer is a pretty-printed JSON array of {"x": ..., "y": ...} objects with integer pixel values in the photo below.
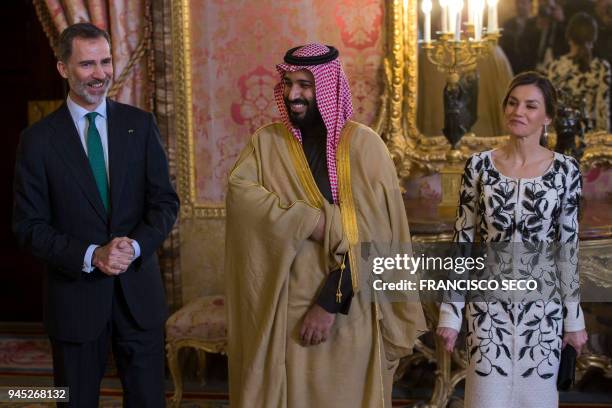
[
  {"x": 531, "y": 50},
  {"x": 510, "y": 42},
  {"x": 58, "y": 213}
]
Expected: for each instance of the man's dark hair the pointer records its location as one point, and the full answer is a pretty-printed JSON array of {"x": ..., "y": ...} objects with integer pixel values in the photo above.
[{"x": 79, "y": 30}]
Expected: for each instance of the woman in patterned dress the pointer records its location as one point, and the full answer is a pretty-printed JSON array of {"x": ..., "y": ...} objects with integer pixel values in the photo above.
[
  {"x": 582, "y": 76},
  {"x": 520, "y": 193}
]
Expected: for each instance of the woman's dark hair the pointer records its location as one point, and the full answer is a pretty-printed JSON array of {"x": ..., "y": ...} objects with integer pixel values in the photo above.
[
  {"x": 544, "y": 85},
  {"x": 582, "y": 31},
  {"x": 78, "y": 30}
]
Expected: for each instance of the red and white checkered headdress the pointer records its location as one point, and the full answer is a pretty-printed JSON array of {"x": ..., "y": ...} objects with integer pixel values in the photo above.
[{"x": 331, "y": 91}]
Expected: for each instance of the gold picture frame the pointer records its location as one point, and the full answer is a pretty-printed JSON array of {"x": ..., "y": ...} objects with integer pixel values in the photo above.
[{"x": 185, "y": 146}]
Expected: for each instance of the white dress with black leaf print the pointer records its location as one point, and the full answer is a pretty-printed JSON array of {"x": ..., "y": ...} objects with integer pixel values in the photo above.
[
  {"x": 592, "y": 86},
  {"x": 514, "y": 347}
]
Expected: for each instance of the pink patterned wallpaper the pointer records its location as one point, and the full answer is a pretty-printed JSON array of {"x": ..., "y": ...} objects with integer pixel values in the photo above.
[
  {"x": 235, "y": 46},
  {"x": 597, "y": 185}
]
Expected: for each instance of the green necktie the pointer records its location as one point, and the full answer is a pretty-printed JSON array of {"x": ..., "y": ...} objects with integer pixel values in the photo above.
[{"x": 96, "y": 157}]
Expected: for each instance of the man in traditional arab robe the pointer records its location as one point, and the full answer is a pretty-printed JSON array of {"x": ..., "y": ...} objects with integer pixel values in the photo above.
[{"x": 304, "y": 198}]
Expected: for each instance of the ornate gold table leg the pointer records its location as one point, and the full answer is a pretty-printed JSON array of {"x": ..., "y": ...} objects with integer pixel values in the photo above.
[
  {"x": 202, "y": 366},
  {"x": 172, "y": 350},
  {"x": 201, "y": 346}
]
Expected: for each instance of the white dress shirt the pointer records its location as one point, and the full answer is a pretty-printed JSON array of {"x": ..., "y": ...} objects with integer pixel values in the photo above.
[{"x": 77, "y": 112}]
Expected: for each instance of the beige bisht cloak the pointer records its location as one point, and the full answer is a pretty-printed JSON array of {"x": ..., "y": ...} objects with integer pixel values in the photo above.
[{"x": 274, "y": 273}]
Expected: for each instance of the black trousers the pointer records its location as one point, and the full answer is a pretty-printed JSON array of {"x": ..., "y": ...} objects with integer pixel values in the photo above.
[{"x": 139, "y": 355}]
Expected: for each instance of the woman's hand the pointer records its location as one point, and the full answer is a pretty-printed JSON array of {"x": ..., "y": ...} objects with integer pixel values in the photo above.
[
  {"x": 449, "y": 336},
  {"x": 577, "y": 340}
]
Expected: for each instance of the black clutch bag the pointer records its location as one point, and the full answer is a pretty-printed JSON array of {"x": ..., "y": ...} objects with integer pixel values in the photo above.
[{"x": 567, "y": 368}]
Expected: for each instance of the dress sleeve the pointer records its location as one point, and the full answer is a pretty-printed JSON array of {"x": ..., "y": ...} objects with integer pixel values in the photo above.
[
  {"x": 465, "y": 225},
  {"x": 551, "y": 71},
  {"x": 567, "y": 262}
]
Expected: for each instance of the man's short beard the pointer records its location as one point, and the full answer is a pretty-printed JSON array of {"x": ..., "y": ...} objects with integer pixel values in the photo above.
[
  {"x": 311, "y": 117},
  {"x": 80, "y": 88}
]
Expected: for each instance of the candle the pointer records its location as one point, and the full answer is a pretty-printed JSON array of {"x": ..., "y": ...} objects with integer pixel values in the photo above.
[
  {"x": 457, "y": 26},
  {"x": 452, "y": 18},
  {"x": 470, "y": 8},
  {"x": 458, "y": 11},
  {"x": 426, "y": 7},
  {"x": 478, "y": 11},
  {"x": 492, "y": 18},
  {"x": 444, "y": 19}
]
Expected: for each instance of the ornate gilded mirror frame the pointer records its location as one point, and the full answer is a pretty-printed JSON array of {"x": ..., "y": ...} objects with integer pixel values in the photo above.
[
  {"x": 412, "y": 150},
  {"x": 186, "y": 175}
]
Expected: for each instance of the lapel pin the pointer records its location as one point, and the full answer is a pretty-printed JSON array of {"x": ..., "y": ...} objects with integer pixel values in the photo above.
[{"x": 130, "y": 130}]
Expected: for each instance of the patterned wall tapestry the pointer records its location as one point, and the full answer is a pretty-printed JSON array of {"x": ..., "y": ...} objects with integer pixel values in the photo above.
[{"x": 235, "y": 46}]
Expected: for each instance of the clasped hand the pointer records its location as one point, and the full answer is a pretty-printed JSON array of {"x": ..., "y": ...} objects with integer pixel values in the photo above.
[{"x": 115, "y": 257}]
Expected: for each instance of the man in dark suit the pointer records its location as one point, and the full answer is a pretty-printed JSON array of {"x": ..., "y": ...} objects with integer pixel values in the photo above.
[
  {"x": 543, "y": 39},
  {"x": 512, "y": 32},
  {"x": 93, "y": 199}
]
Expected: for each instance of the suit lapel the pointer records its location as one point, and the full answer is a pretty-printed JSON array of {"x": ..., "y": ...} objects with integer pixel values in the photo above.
[
  {"x": 68, "y": 145},
  {"x": 117, "y": 147}
]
